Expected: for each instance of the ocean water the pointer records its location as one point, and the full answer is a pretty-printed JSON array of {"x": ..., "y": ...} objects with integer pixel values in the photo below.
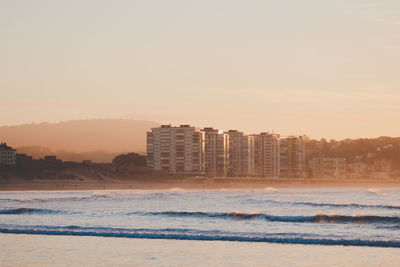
[{"x": 190, "y": 226}]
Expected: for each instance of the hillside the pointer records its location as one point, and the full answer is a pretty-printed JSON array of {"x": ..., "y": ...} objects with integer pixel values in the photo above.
[
  {"x": 358, "y": 150},
  {"x": 111, "y": 135}
]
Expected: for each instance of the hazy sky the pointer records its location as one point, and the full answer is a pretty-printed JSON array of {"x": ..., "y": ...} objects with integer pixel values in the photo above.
[{"x": 323, "y": 68}]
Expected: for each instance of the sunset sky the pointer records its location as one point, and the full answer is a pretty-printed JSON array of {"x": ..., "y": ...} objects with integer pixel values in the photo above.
[{"x": 322, "y": 68}]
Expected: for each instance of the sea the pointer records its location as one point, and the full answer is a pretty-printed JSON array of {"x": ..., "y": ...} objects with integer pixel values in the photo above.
[{"x": 225, "y": 227}]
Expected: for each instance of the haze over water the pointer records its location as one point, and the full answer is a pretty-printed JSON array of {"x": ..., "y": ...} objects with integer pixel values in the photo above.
[{"x": 254, "y": 222}]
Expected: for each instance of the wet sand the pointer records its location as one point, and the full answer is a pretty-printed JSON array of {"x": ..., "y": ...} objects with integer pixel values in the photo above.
[
  {"x": 188, "y": 183},
  {"x": 33, "y": 250}
]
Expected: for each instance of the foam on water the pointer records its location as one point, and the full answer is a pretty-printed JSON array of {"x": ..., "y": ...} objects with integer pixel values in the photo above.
[
  {"x": 299, "y": 216},
  {"x": 193, "y": 235}
]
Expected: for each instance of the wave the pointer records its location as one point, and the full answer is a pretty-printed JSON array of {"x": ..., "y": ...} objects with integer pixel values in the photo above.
[
  {"x": 196, "y": 235},
  {"x": 375, "y": 191},
  {"x": 28, "y": 211},
  {"x": 349, "y": 205},
  {"x": 319, "y": 218},
  {"x": 49, "y": 199},
  {"x": 94, "y": 196},
  {"x": 271, "y": 189},
  {"x": 333, "y": 205}
]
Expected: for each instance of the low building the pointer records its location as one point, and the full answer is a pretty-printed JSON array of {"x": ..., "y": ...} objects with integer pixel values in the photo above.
[
  {"x": 381, "y": 169},
  {"x": 382, "y": 166},
  {"x": 24, "y": 160},
  {"x": 380, "y": 175},
  {"x": 323, "y": 167},
  {"x": 358, "y": 170},
  {"x": 52, "y": 159},
  {"x": 7, "y": 155}
]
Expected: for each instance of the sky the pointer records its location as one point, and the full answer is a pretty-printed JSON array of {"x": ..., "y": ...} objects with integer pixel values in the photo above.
[{"x": 322, "y": 68}]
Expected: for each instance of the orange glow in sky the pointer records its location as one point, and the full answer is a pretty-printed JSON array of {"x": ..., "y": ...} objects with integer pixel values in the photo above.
[{"x": 322, "y": 68}]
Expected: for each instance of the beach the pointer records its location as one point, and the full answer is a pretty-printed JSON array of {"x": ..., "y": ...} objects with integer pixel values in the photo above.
[
  {"x": 28, "y": 250},
  {"x": 186, "y": 183}
]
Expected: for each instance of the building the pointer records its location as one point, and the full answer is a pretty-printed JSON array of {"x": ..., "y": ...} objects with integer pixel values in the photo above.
[
  {"x": 323, "y": 167},
  {"x": 382, "y": 166},
  {"x": 24, "y": 160},
  {"x": 216, "y": 151},
  {"x": 293, "y": 157},
  {"x": 241, "y": 154},
  {"x": 178, "y": 150},
  {"x": 358, "y": 170},
  {"x": 7, "y": 155},
  {"x": 381, "y": 169},
  {"x": 267, "y": 155},
  {"x": 248, "y": 156}
]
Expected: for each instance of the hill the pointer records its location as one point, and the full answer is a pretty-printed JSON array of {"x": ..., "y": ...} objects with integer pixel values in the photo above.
[{"x": 79, "y": 136}]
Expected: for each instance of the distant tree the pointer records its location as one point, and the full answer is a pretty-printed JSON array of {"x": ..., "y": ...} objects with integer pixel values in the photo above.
[
  {"x": 130, "y": 159},
  {"x": 369, "y": 149}
]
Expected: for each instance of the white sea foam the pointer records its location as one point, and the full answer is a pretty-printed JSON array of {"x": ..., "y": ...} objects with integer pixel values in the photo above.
[{"x": 271, "y": 189}]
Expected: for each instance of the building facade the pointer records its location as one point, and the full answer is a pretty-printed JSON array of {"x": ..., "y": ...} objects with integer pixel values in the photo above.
[
  {"x": 7, "y": 155},
  {"x": 241, "y": 154},
  {"x": 267, "y": 155},
  {"x": 216, "y": 149},
  {"x": 323, "y": 167},
  {"x": 293, "y": 157},
  {"x": 178, "y": 150},
  {"x": 192, "y": 151}
]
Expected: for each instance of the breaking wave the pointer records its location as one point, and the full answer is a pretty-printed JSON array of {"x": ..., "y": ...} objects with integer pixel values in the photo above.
[
  {"x": 319, "y": 218},
  {"x": 184, "y": 234},
  {"x": 349, "y": 205},
  {"x": 28, "y": 211},
  {"x": 333, "y": 205},
  {"x": 94, "y": 196}
]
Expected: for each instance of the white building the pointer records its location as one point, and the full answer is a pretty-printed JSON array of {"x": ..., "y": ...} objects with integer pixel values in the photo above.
[
  {"x": 241, "y": 154},
  {"x": 216, "y": 152},
  {"x": 293, "y": 156},
  {"x": 178, "y": 150},
  {"x": 323, "y": 167},
  {"x": 358, "y": 170},
  {"x": 267, "y": 155},
  {"x": 7, "y": 155}
]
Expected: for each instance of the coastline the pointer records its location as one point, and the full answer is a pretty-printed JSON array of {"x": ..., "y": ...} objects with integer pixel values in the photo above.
[{"x": 187, "y": 184}]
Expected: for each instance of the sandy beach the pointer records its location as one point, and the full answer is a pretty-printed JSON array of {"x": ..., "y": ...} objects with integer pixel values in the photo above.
[{"x": 188, "y": 183}]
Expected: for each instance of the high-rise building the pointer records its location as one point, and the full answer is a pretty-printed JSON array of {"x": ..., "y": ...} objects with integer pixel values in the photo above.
[
  {"x": 293, "y": 156},
  {"x": 7, "y": 155},
  {"x": 191, "y": 151},
  {"x": 267, "y": 155},
  {"x": 216, "y": 152},
  {"x": 178, "y": 150},
  {"x": 241, "y": 154}
]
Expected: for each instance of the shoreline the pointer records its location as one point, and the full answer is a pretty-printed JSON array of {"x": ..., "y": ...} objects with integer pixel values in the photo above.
[{"x": 187, "y": 184}]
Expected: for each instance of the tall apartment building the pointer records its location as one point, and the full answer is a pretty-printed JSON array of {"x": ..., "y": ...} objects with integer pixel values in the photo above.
[
  {"x": 293, "y": 156},
  {"x": 178, "y": 150},
  {"x": 267, "y": 155},
  {"x": 323, "y": 167},
  {"x": 216, "y": 149},
  {"x": 7, "y": 155},
  {"x": 241, "y": 154}
]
